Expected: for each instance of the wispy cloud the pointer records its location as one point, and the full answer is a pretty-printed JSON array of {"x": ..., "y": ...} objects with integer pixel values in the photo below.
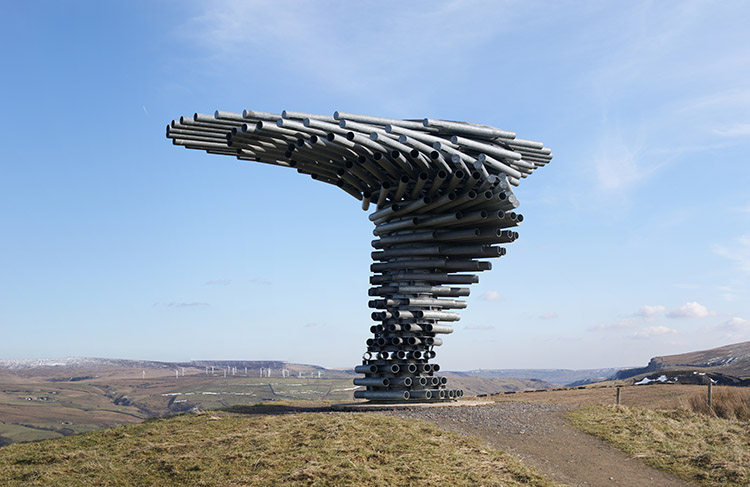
[
  {"x": 648, "y": 311},
  {"x": 691, "y": 309},
  {"x": 654, "y": 331},
  {"x": 219, "y": 282},
  {"x": 742, "y": 209},
  {"x": 259, "y": 280},
  {"x": 735, "y": 328},
  {"x": 639, "y": 136},
  {"x": 617, "y": 163},
  {"x": 738, "y": 252},
  {"x": 644, "y": 314},
  {"x": 621, "y": 324},
  {"x": 735, "y": 324},
  {"x": 179, "y": 304},
  {"x": 736, "y": 130},
  {"x": 491, "y": 295},
  {"x": 328, "y": 46},
  {"x": 310, "y": 325},
  {"x": 478, "y": 327},
  {"x": 548, "y": 316}
]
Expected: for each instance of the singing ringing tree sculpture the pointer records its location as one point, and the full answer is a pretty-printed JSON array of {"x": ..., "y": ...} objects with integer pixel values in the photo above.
[{"x": 444, "y": 204}]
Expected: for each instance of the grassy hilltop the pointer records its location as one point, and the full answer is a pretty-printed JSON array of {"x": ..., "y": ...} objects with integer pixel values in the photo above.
[{"x": 230, "y": 449}]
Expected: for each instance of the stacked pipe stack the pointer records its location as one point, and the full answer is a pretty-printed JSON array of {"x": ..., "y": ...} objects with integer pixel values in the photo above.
[{"x": 443, "y": 204}]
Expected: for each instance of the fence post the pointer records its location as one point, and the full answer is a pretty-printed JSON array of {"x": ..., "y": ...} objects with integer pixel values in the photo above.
[
  {"x": 617, "y": 400},
  {"x": 710, "y": 391}
]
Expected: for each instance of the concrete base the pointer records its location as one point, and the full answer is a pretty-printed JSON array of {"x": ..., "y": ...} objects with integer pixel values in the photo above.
[{"x": 379, "y": 406}]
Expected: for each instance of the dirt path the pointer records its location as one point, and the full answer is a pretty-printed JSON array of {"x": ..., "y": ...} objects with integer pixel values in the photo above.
[{"x": 540, "y": 435}]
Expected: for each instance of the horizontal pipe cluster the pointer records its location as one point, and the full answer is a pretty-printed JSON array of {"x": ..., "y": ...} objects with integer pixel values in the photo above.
[{"x": 444, "y": 204}]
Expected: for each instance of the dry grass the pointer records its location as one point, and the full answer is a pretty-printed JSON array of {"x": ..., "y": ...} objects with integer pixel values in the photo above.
[
  {"x": 653, "y": 396},
  {"x": 710, "y": 451},
  {"x": 227, "y": 449},
  {"x": 726, "y": 402}
]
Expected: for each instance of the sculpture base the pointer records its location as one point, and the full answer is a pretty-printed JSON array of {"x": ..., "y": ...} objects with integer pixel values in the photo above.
[{"x": 380, "y": 406}]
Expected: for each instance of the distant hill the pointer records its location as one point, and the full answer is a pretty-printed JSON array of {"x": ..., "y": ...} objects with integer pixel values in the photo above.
[
  {"x": 556, "y": 377},
  {"x": 729, "y": 364},
  {"x": 81, "y": 366},
  {"x": 474, "y": 385}
]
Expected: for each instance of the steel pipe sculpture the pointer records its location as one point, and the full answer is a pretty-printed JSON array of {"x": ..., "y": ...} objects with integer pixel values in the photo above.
[{"x": 443, "y": 198}]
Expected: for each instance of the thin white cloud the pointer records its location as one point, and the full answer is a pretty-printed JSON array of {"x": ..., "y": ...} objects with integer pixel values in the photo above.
[
  {"x": 735, "y": 329},
  {"x": 327, "y": 43},
  {"x": 491, "y": 295},
  {"x": 622, "y": 324},
  {"x": 259, "y": 280},
  {"x": 629, "y": 150},
  {"x": 738, "y": 252},
  {"x": 735, "y": 324},
  {"x": 183, "y": 304},
  {"x": 617, "y": 164},
  {"x": 647, "y": 311},
  {"x": 736, "y": 130},
  {"x": 219, "y": 282},
  {"x": 548, "y": 316},
  {"x": 478, "y": 327},
  {"x": 691, "y": 309},
  {"x": 654, "y": 331}
]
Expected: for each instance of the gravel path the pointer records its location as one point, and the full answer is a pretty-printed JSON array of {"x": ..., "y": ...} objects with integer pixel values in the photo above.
[{"x": 540, "y": 435}]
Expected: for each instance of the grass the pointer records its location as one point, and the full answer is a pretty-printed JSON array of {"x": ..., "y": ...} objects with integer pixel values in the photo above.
[
  {"x": 728, "y": 403},
  {"x": 229, "y": 449},
  {"x": 707, "y": 450}
]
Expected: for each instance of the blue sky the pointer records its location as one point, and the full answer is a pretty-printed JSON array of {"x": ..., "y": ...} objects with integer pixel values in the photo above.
[{"x": 113, "y": 242}]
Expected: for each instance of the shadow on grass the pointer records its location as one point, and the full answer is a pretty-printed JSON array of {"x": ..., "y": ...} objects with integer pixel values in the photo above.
[{"x": 278, "y": 409}]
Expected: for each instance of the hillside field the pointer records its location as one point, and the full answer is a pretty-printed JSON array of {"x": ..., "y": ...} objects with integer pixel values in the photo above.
[{"x": 229, "y": 449}]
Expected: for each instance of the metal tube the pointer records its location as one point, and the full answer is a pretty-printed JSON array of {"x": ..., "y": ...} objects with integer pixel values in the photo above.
[
  {"x": 469, "y": 129},
  {"x": 366, "y": 200},
  {"x": 402, "y": 381},
  {"x": 366, "y": 369},
  {"x": 435, "y": 290},
  {"x": 383, "y": 395},
  {"x": 377, "y": 120},
  {"x": 438, "y": 220},
  {"x": 438, "y": 315},
  {"x": 298, "y": 126},
  {"x": 403, "y": 182},
  {"x": 499, "y": 166},
  {"x": 421, "y": 394},
  {"x": 437, "y": 303},
  {"x": 373, "y": 381},
  {"x": 301, "y": 115},
  {"x": 403, "y": 238},
  {"x": 421, "y": 180},
  {"x": 252, "y": 114},
  {"x": 383, "y": 193},
  {"x": 385, "y": 228}
]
